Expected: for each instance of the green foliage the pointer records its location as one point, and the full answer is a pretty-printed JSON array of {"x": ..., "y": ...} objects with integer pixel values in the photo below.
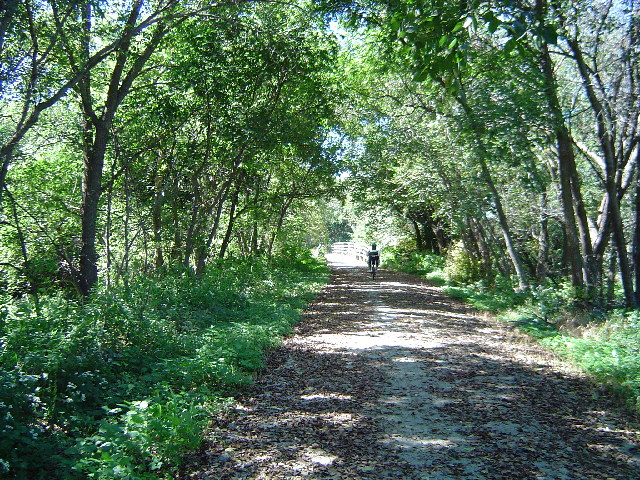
[
  {"x": 300, "y": 258},
  {"x": 610, "y": 352},
  {"x": 142, "y": 437},
  {"x": 120, "y": 386},
  {"x": 462, "y": 268},
  {"x": 24, "y": 442},
  {"x": 496, "y": 297},
  {"x": 404, "y": 258}
]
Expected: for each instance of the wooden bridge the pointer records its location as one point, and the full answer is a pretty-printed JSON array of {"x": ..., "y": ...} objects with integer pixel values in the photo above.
[{"x": 351, "y": 249}]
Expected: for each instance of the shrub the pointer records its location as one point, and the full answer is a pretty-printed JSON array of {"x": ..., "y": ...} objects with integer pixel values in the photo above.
[
  {"x": 24, "y": 442},
  {"x": 460, "y": 267},
  {"x": 139, "y": 438},
  {"x": 406, "y": 259},
  {"x": 127, "y": 378}
]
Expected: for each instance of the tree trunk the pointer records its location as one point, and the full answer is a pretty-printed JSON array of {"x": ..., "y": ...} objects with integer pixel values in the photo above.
[
  {"x": 636, "y": 234},
  {"x": 32, "y": 280},
  {"x": 91, "y": 191},
  {"x": 418, "y": 235},
  {"x": 156, "y": 213},
  {"x": 254, "y": 238},
  {"x": 611, "y": 171},
  {"x": 523, "y": 281},
  {"x": 611, "y": 276},
  {"x": 621, "y": 247},
  {"x": 483, "y": 247},
  {"x": 127, "y": 224},
  {"x": 213, "y": 233},
  {"x": 281, "y": 216},
  {"x": 482, "y": 156},
  {"x": 97, "y": 133},
  {"x": 428, "y": 234},
  {"x": 438, "y": 231},
  {"x": 565, "y": 158},
  {"x": 176, "y": 246},
  {"x": 190, "y": 237},
  {"x": 232, "y": 219},
  {"x": 542, "y": 263}
]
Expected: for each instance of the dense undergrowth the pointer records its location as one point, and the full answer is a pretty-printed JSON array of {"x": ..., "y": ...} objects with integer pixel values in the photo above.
[
  {"x": 603, "y": 343},
  {"x": 122, "y": 386}
]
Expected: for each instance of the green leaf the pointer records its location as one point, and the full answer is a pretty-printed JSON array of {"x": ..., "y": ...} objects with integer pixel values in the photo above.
[
  {"x": 493, "y": 22},
  {"x": 550, "y": 34},
  {"x": 421, "y": 75},
  {"x": 509, "y": 46}
]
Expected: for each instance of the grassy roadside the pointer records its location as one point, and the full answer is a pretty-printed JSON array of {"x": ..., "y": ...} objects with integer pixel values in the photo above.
[
  {"x": 606, "y": 345},
  {"x": 121, "y": 387}
]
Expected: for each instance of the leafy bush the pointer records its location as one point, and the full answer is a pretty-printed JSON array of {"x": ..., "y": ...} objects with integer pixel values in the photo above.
[
  {"x": 300, "y": 258},
  {"x": 24, "y": 442},
  {"x": 406, "y": 259},
  {"x": 460, "y": 267},
  {"x": 120, "y": 386},
  {"x": 139, "y": 438}
]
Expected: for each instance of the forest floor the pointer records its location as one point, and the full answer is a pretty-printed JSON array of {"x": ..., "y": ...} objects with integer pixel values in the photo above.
[{"x": 392, "y": 379}]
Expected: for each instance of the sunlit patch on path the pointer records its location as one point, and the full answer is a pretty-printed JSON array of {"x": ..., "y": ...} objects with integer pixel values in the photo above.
[{"x": 390, "y": 379}]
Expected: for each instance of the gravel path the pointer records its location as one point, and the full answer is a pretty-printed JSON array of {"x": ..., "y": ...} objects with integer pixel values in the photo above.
[{"x": 391, "y": 379}]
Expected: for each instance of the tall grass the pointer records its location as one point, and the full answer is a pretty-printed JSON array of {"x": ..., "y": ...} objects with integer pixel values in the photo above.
[{"x": 122, "y": 386}]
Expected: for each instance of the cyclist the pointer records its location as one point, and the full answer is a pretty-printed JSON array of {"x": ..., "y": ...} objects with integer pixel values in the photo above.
[{"x": 373, "y": 256}]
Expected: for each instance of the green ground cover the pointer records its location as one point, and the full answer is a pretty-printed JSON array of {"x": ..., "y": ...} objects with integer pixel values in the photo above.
[{"x": 123, "y": 385}]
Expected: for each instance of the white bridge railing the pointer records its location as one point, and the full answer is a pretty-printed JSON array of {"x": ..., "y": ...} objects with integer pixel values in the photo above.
[{"x": 355, "y": 250}]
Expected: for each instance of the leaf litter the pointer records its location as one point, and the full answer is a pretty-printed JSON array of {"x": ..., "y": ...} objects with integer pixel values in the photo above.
[{"x": 392, "y": 379}]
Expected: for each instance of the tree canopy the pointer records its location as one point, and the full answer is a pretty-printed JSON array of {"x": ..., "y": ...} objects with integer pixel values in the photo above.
[{"x": 148, "y": 148}]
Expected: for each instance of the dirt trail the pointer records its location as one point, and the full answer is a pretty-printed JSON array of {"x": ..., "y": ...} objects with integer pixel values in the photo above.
[{"x": 390, "y": 379}]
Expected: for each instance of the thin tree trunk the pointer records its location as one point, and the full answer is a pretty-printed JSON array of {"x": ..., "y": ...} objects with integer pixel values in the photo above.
[
  {"x": 127, "y": 221},
  {"x": 418, "y": 235},
  {"x": 28, "y": 272},
  {"x": 213, "y": 233},
  {"x": 482, "y": 156},
  {"x": 176, "y": 247},
  {"x": 107, "y": 235},
  {"x": 232, "y": 219},
  {"x": 254, "y": 238},
  {"x": 542, "y": 263},
  {"x": 565, "y": 158},
  {"x": 636, "y": 235},
  {"x": 156, "y": 213},
  {"x": 611, "y": 276},
  {"x": 483, "y": 247},
  {"x": 281, "y": 216}
]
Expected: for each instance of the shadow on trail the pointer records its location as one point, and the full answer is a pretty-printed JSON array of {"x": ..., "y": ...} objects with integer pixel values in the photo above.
[{"x": 391, "y": 379}]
